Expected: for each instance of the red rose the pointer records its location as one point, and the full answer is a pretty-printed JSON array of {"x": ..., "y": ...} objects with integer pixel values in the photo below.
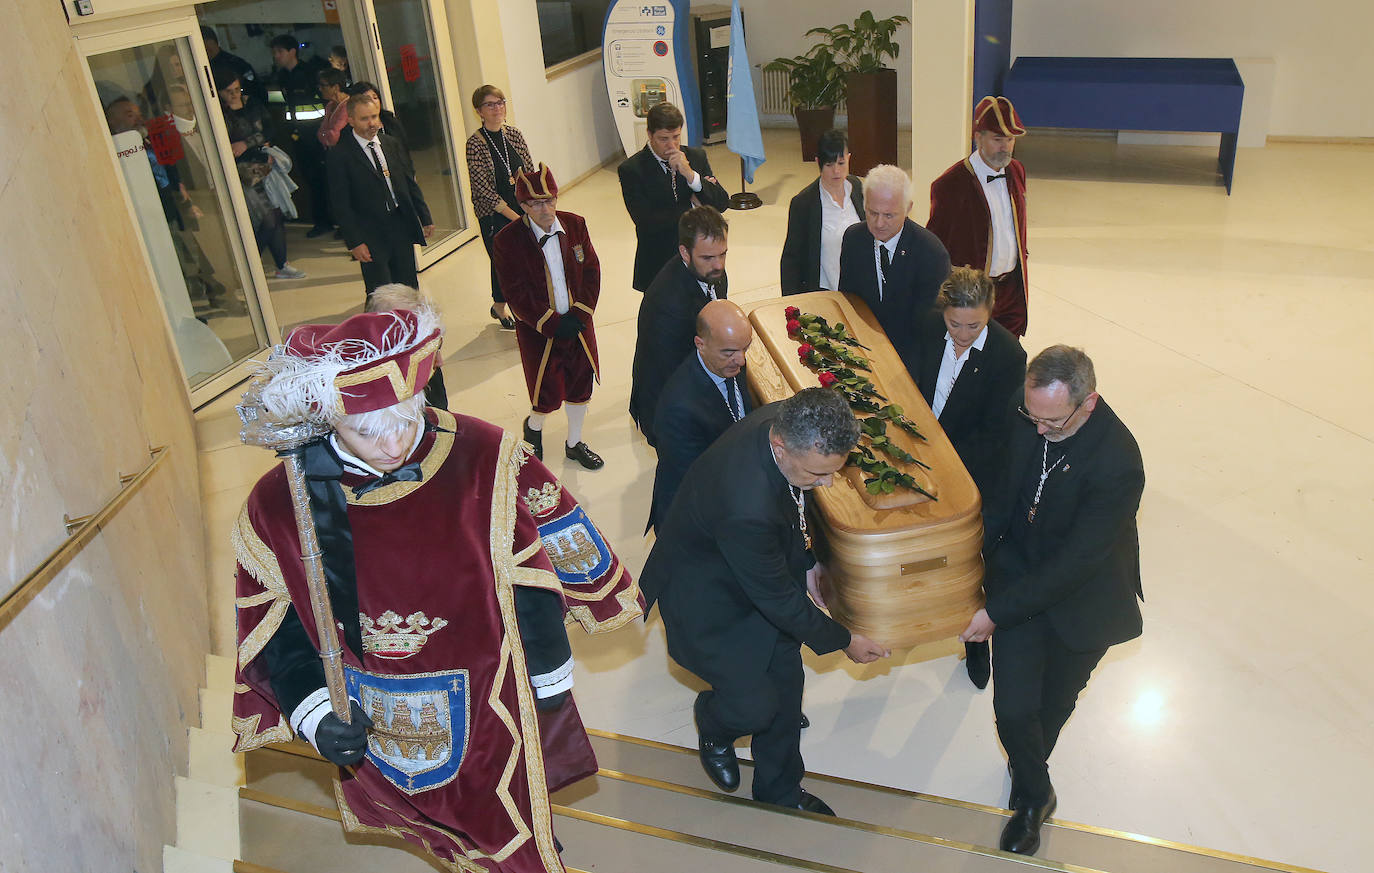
[
  {"x": 828, "y": 379},
  {"x": 791, "y": 313},
  {"x": 793, "y": 325},
  {"x": 804, "y": 351}
]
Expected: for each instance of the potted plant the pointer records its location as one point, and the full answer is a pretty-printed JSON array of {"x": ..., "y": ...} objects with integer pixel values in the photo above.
[
  {"x": 861, "y": 49},
  {"x": 816, "y": 83}
]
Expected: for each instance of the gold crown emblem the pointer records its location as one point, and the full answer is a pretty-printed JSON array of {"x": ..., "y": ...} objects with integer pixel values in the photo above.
[
  {"x": 542, "y": 501},
  {"x": 386, "y": 638}
]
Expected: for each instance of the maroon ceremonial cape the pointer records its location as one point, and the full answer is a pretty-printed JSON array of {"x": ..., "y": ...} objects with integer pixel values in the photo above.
[
  {"x": 454, "y": 760},
  {"x": 960, "y": 217},
  {"x": 528, "y": 289}
]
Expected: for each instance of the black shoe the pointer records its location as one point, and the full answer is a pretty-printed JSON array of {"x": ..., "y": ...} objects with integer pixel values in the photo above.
[
  {"x": 506, "y": 322},
  {"x": 1022, "y": 831},
  {"x": 319, "y": 230},
  {"x": 805, "y": 722},
  {"x": 534, "y": 438},
  {"x": 978, "y": 662},
  {"x": 584, "y": 456},
  {"x": 717, "y": 760},
  {"x": 812, "y": 803}
]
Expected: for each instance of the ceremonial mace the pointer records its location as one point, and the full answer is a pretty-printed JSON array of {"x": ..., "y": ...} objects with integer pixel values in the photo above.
[{"x": 289, "y": 440}]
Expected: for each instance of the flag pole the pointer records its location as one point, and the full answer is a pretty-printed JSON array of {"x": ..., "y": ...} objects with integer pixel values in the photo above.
[{"x": 745, "y": 199}]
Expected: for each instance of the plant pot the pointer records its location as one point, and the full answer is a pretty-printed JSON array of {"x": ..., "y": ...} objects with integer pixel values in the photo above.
[
  {"x": 872, "y": 102},
  {"x": 812, "y": 123}
]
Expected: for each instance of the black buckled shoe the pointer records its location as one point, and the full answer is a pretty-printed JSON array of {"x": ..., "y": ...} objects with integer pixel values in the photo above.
[
  {"x": 583, "y": 455},
  {"x": 812, "y": 803},
  {"x": 978, "y": 660},
  {"x": 534, "y": 438},
  {"x": 1021, "y": 834},
  {"x": 718, "y": 760}
]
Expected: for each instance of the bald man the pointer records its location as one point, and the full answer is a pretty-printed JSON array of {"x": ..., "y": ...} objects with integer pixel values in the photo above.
[{"x": 703, "y": 397}]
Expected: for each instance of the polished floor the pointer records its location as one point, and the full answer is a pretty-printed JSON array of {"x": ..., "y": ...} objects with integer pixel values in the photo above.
[{"x": 1232, "y": 334}]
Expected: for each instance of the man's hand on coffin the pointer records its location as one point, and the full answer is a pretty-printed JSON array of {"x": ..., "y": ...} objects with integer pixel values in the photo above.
[
  {"x": 343, "y": 744},
  {"x": 979, "y": 629},
  {"x": 817, "y": 583},
  {"x": 862, "y": 650}
]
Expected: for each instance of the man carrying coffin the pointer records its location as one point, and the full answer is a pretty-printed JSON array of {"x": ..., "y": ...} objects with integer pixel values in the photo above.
[{"x": 451, "y": 558}]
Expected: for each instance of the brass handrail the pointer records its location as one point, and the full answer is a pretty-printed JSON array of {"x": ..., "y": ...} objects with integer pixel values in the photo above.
[{"x": 79, "y": 532}]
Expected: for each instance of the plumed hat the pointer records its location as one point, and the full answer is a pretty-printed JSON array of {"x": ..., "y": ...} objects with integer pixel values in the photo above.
[
  {"x": 371, "y": 361},
  {"x": 997, "y": 115},
  {"x": 536, "y": 185}
]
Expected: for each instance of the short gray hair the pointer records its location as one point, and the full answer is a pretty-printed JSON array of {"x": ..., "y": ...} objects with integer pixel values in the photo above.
[
  {"x": 893, "y": 180},
  {"x": 817, "y": 419},
  {"x": 1064, "y": 364},
  {"x": 392, "y": 419},
  {"x": 966, "y": 288}
]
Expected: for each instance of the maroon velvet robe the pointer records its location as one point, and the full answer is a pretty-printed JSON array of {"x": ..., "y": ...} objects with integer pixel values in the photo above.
[
  {"x": 557, "y": 369},
  {"x": 960, "y": 217},
  {"x": 436, "y": 563}
]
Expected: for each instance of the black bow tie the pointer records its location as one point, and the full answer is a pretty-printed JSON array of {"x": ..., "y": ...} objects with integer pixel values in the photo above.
[
  {"x": 545, "y": 238},
  {"x": 995, "y": 178},
  {"x": 405, "y": 473}
]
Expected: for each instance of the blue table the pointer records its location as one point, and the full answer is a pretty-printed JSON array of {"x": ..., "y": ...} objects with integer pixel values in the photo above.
[{"x": 1172, "y": 94}]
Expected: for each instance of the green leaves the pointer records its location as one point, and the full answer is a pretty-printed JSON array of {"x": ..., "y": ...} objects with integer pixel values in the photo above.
[{"x": 864, "y": 45}]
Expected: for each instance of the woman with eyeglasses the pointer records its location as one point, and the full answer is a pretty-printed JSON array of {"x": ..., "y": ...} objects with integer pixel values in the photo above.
[{"x": 496, "y": 152}]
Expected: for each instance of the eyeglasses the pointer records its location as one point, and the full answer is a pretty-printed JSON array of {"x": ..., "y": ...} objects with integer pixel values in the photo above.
[
  {"x": 1049, "y": 424},
  {"x": 493, "y": 104}
]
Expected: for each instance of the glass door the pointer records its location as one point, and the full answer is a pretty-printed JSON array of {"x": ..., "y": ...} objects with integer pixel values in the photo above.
[
  {"x": 166, "y": 144},
  {"x": 419, "y": 80}
]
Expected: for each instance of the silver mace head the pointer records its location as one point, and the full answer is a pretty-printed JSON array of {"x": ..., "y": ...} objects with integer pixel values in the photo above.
[{"x": 261, "y": 429}]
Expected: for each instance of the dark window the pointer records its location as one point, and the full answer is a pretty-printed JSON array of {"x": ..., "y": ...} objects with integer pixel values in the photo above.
[{"x": 567, "y": 28}]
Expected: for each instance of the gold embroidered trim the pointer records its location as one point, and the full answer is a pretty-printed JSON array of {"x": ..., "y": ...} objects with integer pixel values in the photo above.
[
  {"x": 403, "y": 386},
  {"x": 250, "y": 738},
  {"x": 533, "y": 577},
  {"x": 591, "y": 359},
  {"x": 351, "y": 824},
  {"x": 505, "y": 491},
  {"x": 543, "y": 366},
  {"x": 528, "y": 551},
  {"x": 578, "y": 594},
  {"x": 438, "y": 453},
  {"x": 257, "y": 559},
  {"x": 629, "y": 611}
]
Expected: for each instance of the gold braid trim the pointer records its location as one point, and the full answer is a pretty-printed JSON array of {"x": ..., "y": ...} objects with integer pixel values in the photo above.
[
  {"x": 505, "y": 494},
  {"x": 629, "y": 611},
  {"x": 353, "y": 825},
  {"x": 257, "y": 559},
  {"x": 533, "y": 577},
  {"x": 250, "y": 738}
]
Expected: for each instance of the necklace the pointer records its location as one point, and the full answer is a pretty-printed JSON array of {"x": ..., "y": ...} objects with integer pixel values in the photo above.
[
  {"x": 734, "y": 413},
  {"x": 503, "y": 154},
  {"x": 672, "y": 176},
  {"x": 799, "y": 498},
  {"x": 1045, "y": 472}
]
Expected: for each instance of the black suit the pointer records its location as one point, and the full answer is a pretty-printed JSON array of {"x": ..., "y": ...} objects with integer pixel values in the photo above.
[
  {"x": 800, "y": 266},
  {"x": 975, "y": 415},
  {"x": 729, "y": 573},
  {"x": 919, "y": 265},
  {"x": 358, "y": 196},
  {"x": 1061, "y": 589},
  {"x": 648, "y": 193},
  {"x": 692, "y": 413},
  {"x": 667, "y": 323}
]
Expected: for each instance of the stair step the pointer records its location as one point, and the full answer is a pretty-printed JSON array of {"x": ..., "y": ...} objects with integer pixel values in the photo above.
[
  {"x": 1067, "y": 843},
  {"x": 210, "y": 758},
  {"x": 178, "y": 860},
  {"x": 219, "y": 673}
]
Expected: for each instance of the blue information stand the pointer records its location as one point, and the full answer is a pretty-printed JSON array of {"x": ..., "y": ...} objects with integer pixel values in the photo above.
[{"x": 646, "y": 55}]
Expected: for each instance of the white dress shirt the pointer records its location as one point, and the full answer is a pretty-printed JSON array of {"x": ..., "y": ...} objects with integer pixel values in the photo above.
[
  {"x": 950, "y": 366},
  {"x": 1002, "y": 259},
  {"x": 694, "y": 183},
  {"x": 835, "y": 220},
  {"x": 553, "y": 258},
  {"x": 381, "y": 157},
  {"x": 891, "y": 246}
]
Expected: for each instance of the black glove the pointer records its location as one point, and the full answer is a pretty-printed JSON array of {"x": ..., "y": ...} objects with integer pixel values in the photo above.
[
  {"x": 569, "y": 326},
  {"x": 343, "y": 744}
]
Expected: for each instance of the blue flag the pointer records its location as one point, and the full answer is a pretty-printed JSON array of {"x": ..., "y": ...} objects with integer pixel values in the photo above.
[{"x": 742, "y": 134}]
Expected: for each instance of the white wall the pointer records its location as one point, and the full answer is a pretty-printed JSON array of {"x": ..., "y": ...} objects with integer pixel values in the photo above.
[
  {"x": 777, "y": 28},
  {"x": 567, "y": 120},
  {"x": 1323, "y": 62}
]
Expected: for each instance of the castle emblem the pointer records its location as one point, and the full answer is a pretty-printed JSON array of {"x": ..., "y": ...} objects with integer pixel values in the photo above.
[
  {"x": 575, "y": 547},
  {"x": 419, "y": 727}
]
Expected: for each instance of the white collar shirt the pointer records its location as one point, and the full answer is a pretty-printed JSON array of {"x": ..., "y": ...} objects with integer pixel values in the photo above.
[
  {"x": 836, "y": 218},
  {"x": 951, "y": 364},
  {"x": 891, "y": 246},
  {"x": 738, "y": 411},
  {"x": 1002, "y": 259},
  {"x": 358, "y": 465},
  {"x": 553, "y": 258},
  {"x": 707, "y": 290},
  {"x": 373, "y": 147}
]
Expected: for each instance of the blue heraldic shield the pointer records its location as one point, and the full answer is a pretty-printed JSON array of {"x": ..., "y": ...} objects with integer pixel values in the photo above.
[{"x": 419, "y": 725}]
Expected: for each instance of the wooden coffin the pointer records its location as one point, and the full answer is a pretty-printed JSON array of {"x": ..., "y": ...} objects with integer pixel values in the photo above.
[{"x": 907, "y": 570}]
